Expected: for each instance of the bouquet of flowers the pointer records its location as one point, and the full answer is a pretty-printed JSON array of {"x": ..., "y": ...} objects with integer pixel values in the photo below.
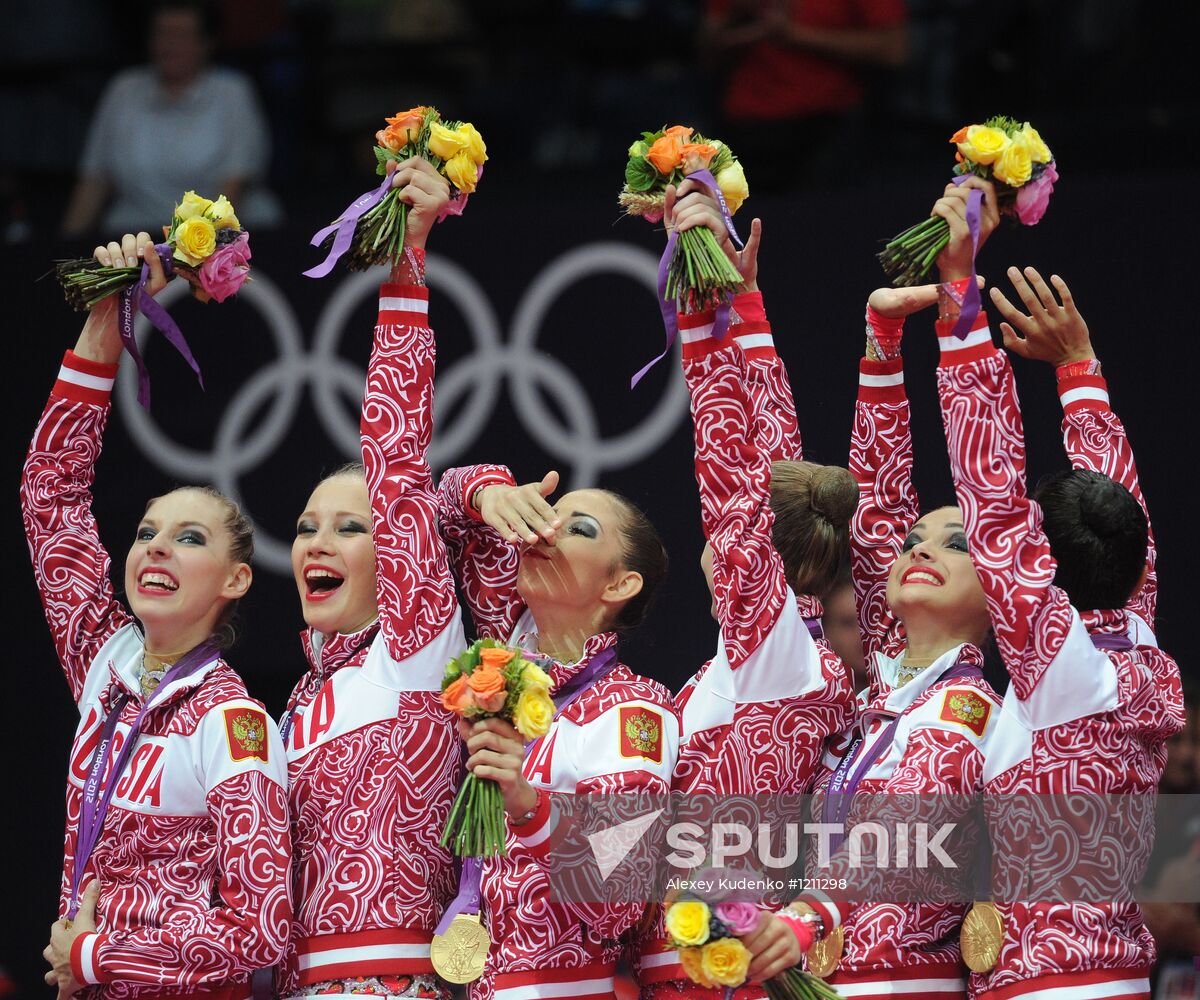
[
  {"x": 205, "y": 244},
  {"x": 372, "y": 228},
  {"x": 699, "y": 274},
  {"x": 708, "y": 937},
  {"x": 491, "y": 680},
  {"x": 1009, "y": 153}
]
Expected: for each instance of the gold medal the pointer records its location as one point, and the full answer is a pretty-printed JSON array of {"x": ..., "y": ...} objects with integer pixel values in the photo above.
[
  {"x": 823, "y": 957},
  {"x": 981, "y": 937},
  {"x": 460, "y": 954}
]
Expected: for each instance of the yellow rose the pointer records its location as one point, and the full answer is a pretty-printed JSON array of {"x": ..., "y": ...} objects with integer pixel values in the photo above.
[
  {"x": 534, "y": 676},
  {"x": 475, "y": 146},
  {"x": 534, "y": 713},
  {"x": 984, "y": 144},
  {"x": 687, "y": 922},
  {"x": 1015, "y": 166},
  {"x": 725, "y": 961},
  {"x": 443, "y": 142},
  {"x": 191, "y": 206},
  {"x": 462, "y": 171},
  {"x": 1039, "y": 152},
  {"x": 195, "y": 240},
  {"x": 732, "y": 182},
  {"x": 220, "y": 213},
  {"x": 689, "y": 958}
]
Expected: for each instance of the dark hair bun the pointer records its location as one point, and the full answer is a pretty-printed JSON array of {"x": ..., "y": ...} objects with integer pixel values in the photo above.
[{"x": 834, "y": 494}]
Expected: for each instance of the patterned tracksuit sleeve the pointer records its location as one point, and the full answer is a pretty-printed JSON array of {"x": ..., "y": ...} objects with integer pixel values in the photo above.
[
  {"x": 982, "y": 418},
  {"x": 881, "y": 462},
  {"x": 70, "y": 565},
  {"x": 1095, "y": 439},
  {"x": 416, "y": 590},
  {"x": 777, "y": 430},
  {"x": 248, "y": 928},
  {"x": 734, "y": 477},
  {"x": 484, "y": 563}
]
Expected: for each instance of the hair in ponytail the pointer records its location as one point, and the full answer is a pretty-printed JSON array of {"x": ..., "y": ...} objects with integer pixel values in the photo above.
[{"x": 813, "y": 505}]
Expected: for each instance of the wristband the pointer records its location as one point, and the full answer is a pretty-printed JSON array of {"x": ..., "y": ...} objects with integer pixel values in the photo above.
[
  {"x": 950, "y": 298},
  {"x": 884, "y": 336},
  {"x": 527, "y": 816},
  {"x": 1073, "y": 369}
]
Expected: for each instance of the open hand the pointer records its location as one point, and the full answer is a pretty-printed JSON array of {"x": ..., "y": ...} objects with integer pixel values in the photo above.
[{"x": 1052, "y": 331}]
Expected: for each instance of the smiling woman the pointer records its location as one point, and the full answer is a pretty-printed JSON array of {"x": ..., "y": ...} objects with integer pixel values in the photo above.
[{"x": 176, "y": 776}]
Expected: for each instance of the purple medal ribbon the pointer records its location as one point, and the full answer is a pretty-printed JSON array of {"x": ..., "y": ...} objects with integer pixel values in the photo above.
[
  {"x": 1111, "y": 642},
  {"x": 95, "y": 803},
  {"x": 670, "y": 321},
  {"x": 136, "y": 299},
  {"x": 471, "y": 877},
  {"x": 345, "y": 226},
  {"x": 971, "y": 301},
  {"x": 815, "y": 629},
  {"x": 850, "y": 772}
]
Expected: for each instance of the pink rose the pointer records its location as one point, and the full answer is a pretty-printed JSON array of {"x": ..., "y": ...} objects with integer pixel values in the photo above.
[
  {"x": 223, "y": 272},
  {"x": 740, "y": 918},
  {"x": 1034, "y": 197},
  {"x": 491, "y": 703}
]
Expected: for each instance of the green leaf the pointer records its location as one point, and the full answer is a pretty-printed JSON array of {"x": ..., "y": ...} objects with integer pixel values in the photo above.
[{"x": 640, "y": 174}]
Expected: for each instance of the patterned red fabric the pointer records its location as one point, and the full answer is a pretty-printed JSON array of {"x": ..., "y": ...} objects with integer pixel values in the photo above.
[
  {"x": 374, "y": 759},
  {"x": 194, "y": 854},
  {"x": 1082, "y": 720}
]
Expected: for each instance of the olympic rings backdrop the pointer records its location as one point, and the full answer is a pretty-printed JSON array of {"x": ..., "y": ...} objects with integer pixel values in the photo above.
[{"x": 543, "y": 310}]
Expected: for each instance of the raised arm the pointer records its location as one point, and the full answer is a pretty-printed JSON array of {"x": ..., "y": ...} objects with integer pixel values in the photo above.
[
  {"x": 484, "y": 561},
  {"x": 416, "y": 589},
  {"x": 248, "y": 928},
  {"x": 1093, "y": 434},
  {"x": 70, "y": 564}
]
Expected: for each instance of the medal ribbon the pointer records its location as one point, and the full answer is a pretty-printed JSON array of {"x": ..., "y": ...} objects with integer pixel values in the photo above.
[
  {"x": 670, "y": 320},
  {"x": 470, "y": 878},
  {"x": 1109, "y": 641},
  {"x": 95, "y": 803},
  {"x": 971, "y": 301},
  {"x": 815, "y": 629},
  {"x": 345, "y": 226},
  {"x": 839, "y": 796}
]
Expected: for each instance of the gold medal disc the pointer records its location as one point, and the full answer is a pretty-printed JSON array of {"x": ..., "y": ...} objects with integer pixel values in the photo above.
[
  {"x": 981, "y": 937},
  {"x": 460, "y": 954},
  {"x": 823, "y": 957}
]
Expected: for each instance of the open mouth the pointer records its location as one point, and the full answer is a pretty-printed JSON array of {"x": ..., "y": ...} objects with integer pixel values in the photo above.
[
  {"x": 157, "y": 581},
  {"x": 321, "y": 583},
  {"x": 925, "y": 576}
]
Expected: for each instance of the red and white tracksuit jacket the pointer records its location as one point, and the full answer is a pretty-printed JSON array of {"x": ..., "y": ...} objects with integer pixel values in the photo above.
[
  {"x": 1076, "y": 719},
  {"x": 193, "y": 858},
  {"x": 542, "y": 948},
  {"x": 757, "y": 715},
  {"x": 374, "y": 759},
  {"x": 939, "y": 746}
]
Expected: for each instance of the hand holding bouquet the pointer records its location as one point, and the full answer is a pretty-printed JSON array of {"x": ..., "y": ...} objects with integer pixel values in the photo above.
[
  {"x": 1008, "y": 153},
  {"x": 709, "y": 937},
  {"x": 205, "y": 244},
  {"x": 695, "y": 273},
  {"x": 491, "y": 681},
  {"x": 372, "y": 228}
]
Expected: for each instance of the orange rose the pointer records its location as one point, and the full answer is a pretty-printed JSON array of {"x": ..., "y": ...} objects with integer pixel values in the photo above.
[
  {"x": 681, "y": 132},
  {"x": 665, "y": 154},
  {"x": 406, "y": 126},
  {"x": 697, "y": 156},
  {"x": 486, "y": 681},
  {"x": 388, "y": 139},
  {"x": 495, "y": 658},
  {"x": 960, "y": 135},
  {"x": 454, "y": 698}
]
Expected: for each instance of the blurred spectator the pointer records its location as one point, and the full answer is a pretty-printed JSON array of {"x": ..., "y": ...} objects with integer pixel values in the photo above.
[
  {"x": 841, "y": 628},
  {"x": 796, "y": 75},
  {"x": 175, "y": 125}
]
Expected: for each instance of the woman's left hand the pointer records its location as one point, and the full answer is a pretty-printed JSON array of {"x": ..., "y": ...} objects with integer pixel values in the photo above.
[
  {"x": 62, "y": 938},
  {"x": 497, "y": 753},
  {"x": 425, "y": 191}
]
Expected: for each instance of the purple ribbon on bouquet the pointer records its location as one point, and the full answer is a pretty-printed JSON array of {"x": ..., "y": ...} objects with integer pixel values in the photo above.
[
  {"x": 136, "y": 299},
  {"x": 470, "y": 878},
  {"x": 345, "y": 226},
  {"x": 971, "y": 301},
  {"x": 95, "y": 803},
  {"x": 670, "y": 322}
]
